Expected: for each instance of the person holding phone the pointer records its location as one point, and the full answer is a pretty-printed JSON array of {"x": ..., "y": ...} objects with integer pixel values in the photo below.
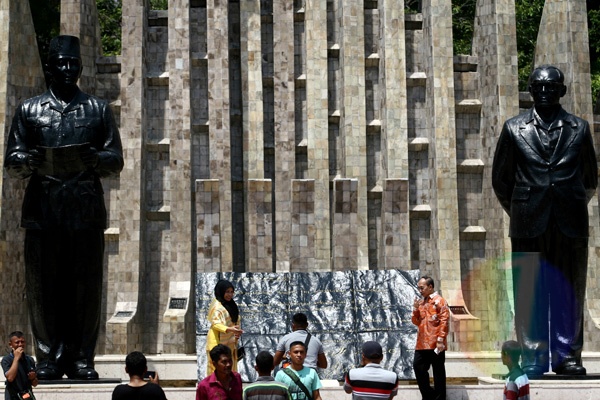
[
  {"x": 224, "y": 317},
  {"x": 139, "y": 388},
  {"x": 19, "y": 370}
]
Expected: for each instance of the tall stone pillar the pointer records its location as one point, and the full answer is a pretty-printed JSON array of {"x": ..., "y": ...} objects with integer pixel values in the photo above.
[
  {"x": 80, "y": 18},
  {"x": 123, "y": 327},
  {"x": 495, "y": 46},
  {"x": 252, "y": 124},
  {"x": 252, "y": 81},
  {"x": 440, "y": 104},
  {"x": 285, "y": 155},
  {"x": 394, "y": 246},
  {"x": 563, "y": 41},
  {"x": 218, "y": 119},
  {"x": 317, "y": 123},
  {"x": 21, "y": 77},
  {"x": 176, "y": 327},
  {"x": 353, "y": 124}
]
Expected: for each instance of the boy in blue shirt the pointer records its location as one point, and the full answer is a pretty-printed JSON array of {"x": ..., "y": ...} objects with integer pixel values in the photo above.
[{"x": 303, "y": 382}]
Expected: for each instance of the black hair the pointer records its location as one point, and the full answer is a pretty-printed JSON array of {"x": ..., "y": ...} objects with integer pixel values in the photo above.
[
  {"x": 428, "y": 280},
  {"x": 17, "y": 334},
  {"x": 300, "y": 319},
  {"x": 231, "y": 307},
  {"x": 218, "y": 351},
  {"x": 561, "y": 76},
  {"x": 513, "y": 350},
  {"x": 135, "y": 362},
  {"x": 264, "y": 362},
  {"x": 298, "y": 342}
]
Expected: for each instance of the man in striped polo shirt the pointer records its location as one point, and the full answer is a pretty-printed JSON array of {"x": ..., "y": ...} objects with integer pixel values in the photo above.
[
  {"x": 371, "y": 382},
  {"x": 265, "y": 387}
]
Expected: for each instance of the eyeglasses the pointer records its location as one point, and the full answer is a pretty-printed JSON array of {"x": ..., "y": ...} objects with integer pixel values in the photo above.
[
  {"x": 421, "y": 288},
  {"x": 538, "y": 87}
]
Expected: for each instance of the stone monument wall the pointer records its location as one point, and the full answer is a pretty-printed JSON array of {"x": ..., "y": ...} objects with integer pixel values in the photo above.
[{"x": 296, "y": 136}]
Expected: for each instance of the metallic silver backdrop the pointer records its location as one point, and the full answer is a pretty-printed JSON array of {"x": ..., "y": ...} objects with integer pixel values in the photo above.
[{"x": 344, "y": 309}]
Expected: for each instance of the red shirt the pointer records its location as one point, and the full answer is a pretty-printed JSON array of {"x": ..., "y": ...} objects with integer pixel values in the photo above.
[
  {"x": 432, "y": 320},
  {"x": 211, "y": 389}
]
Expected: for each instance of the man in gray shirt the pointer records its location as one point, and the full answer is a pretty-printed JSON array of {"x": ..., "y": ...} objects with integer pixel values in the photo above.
[{"x": 315, "y": 355}]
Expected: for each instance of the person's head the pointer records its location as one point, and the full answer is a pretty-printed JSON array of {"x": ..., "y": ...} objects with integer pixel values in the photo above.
[
  {"x": 426, "y": 286},
  {"x": 136, "y": 364},
  {"x": 372, "y": 352},
  {"x": 299, "y": 321},
  {"x": 297, "y": 353},
  {"x": 264, "y": 363},
  {"x": 510, "y": 354},
  {"x": 220, "y": 356},
  {"x": 64, "y": 61},
  {"x": 16, "y": 339},
  {"x": 224, "y": 291},
  {"x": 546, "y": 85}
]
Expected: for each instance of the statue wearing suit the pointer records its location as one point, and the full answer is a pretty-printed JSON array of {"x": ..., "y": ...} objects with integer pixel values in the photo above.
[{"x": 544, "y": 174}]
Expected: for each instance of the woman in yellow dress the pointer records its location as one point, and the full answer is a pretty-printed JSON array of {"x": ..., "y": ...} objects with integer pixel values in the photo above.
[{"x": 224, "y": 318}]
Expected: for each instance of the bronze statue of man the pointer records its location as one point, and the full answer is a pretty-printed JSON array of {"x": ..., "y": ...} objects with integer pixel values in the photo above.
[
  {"x": 64, "y": 141},
  {"x": 544, "y": 174}
]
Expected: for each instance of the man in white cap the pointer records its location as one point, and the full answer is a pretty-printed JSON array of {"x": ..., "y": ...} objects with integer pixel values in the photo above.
[
  {"x": 64, "y": 141},
  {"x": 371, "y": 382}
]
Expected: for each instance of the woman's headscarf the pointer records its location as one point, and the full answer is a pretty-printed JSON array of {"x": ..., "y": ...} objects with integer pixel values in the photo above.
[{"x": 232, "y": 308}]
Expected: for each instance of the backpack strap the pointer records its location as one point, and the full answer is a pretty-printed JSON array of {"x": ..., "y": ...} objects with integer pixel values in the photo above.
[
  {"x": 298, "y": 383},
  {"x": 307, "y": 341}
]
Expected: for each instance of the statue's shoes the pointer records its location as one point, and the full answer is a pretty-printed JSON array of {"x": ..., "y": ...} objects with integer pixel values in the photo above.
[
  {"x": 570, "y": 369},
  {"x": 87, "y": 373},
  {"x": 533, "y": 370},
  {"x": 48, "y": 373}
]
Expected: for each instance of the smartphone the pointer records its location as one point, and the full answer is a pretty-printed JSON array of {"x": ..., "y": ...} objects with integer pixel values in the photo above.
[{"x": 149, "y": 374}]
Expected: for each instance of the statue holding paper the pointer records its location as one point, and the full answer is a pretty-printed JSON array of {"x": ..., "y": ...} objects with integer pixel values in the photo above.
[{"x": 64, "y": 141}]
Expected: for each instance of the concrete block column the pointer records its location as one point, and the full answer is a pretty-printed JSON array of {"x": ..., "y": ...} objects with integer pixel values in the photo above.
[
  {"x": 260, "y": 226},
  {"x": 285, "y": 157},
  {"x": 495, "y": 46},
  {"x": 178, "y": 331},
  {"x": 124, "y": 276},
  {"x": 345, "y": 241},
  {"x": 252, "y": 93},
  {"x": 302, "y": 249},
  {"x": 318, "y": 123},
  {"x": 353, "y": 124},
  {"x": 219, "y": 120},
  {"x": 392, "y": 76},
  {"x": 208, "y": 225},
  {"x": 395, "y": 226},
  {"x": 440, "y": 104}
]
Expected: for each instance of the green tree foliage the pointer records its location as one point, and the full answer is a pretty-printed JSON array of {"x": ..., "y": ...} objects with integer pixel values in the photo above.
[
  {"x": 463, "y": 20},
  {"x": 46, "y": 18},
  {"x": 109, "y": 12},
  {"x": 528, "y": 16},
  {"x": 593, "y": 7},
  {"x": 159, "y": 4}
]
